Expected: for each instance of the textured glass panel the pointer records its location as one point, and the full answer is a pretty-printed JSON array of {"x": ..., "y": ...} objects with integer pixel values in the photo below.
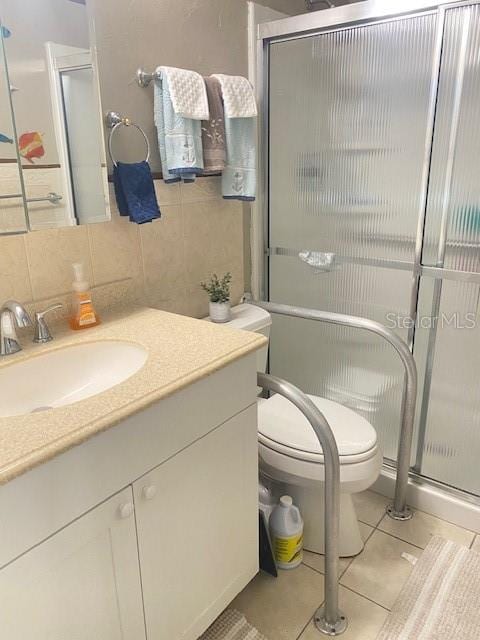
[
  {"x": 348, "y": 115},
  {"x": 451, "y": 452},
  {"x": 348, "y": 121},
  {"x": 453, "y": 212},
  {"x": 350, "y": 366}
]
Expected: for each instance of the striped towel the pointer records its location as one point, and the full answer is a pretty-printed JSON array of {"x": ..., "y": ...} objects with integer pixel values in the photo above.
[
  {"x": 232, "y": 625},
  {"x": 441, "y": 598}
]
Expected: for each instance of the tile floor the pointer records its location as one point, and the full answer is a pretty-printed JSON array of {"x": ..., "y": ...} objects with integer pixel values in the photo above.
[{"x": 282, "y": 608}]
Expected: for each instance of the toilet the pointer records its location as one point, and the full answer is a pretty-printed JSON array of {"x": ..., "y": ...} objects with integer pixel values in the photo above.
[{"x": 291, "y": 459}]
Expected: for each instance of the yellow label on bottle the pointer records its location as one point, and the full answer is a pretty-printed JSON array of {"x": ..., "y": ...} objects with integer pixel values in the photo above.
[
  {"x": 288, "y": 550},
  {"x": 86, "y": 314},
  {"x": 87, "y": 318}
]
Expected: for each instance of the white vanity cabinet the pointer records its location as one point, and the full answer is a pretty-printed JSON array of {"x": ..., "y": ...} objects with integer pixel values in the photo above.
[
  {"x": 145, "y": 530},
  {"x": 196, "y": 521},
  {"x": 82, "y": 582}
]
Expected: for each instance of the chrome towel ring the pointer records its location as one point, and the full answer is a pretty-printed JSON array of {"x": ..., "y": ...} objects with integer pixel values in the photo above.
[{"x": 114, "y": 120}]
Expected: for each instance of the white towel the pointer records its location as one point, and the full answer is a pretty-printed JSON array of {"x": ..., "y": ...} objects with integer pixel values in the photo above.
[
  {"x": 187, "y": 92},
  {"x": 238, "y": 97}
]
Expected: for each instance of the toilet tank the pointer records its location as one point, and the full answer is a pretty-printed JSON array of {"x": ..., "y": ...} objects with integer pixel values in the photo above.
[{"x": 251, "y": 318}]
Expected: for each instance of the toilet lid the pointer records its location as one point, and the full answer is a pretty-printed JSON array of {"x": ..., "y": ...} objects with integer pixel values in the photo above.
[{"x": 279, "y": 421}]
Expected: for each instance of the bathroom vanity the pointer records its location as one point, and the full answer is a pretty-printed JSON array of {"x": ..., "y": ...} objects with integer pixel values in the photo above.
[{"x": 133, "y": 513}]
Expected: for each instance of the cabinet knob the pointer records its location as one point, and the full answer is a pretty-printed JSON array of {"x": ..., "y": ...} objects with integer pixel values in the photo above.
[
  {"x": 149, "y": 492},
  {"x": 125, "y": 510}
]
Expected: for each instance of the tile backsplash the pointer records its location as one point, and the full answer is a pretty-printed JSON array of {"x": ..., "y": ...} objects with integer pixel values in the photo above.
[{"x": 159, "y": 264}]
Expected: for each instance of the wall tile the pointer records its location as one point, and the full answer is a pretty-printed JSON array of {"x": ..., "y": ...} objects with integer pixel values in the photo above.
[
  {"x": 14, "y": 276},
  {"x": 167, "y": 193},
  {"x": 199, "y": 242},
  {"x": 226, "y": 227},
  {"x": 50, "y": 256},
  {"x": 213, "y": 240},
  {"x": 109, "y": 295},
  {"x": 115, "y": 250},
  {"x": 163, "y": 256},
  {"x": 178, "y": 304},
  {"x": 196, "y": 302},
  {"x": 159, "y": 264},
  {"x": 202, "y": 189}
]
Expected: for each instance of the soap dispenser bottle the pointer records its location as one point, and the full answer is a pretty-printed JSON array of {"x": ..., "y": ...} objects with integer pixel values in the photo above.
[{"x": 83, "y": 313}]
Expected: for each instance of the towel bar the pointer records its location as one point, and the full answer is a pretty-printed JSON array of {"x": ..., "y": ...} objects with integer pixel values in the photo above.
[
  {"x": 144, "y": 78},
  {"x": 113, "y": 121}
]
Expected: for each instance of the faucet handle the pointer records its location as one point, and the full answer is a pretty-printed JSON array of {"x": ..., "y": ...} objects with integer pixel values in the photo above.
[{"x": 42, "y": 332}]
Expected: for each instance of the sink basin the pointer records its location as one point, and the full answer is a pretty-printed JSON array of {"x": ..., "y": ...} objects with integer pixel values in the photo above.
[{"x": 64, "y": 376}]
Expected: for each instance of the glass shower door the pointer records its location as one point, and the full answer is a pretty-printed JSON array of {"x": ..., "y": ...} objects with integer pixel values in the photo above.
[
  {"x": 447, "y": 350},
  {"x": 349, "y": 129}
]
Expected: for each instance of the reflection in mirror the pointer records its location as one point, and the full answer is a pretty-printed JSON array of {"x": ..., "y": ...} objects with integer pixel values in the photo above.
[
  {"x": 12, "y": 198},
  {"x": 57, "y": 111}
]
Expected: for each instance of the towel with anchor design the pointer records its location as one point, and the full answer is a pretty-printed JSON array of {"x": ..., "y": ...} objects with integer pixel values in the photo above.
[
  {"x": 179, "y": 138},
  {"x": 239, "y": 178},
  {"x": 213, "y": 130}
]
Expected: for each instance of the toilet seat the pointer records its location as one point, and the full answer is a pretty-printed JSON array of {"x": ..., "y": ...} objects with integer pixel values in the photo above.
[
  {"x": 306, "y": 456},
  {"x": 284, "y": 429},
  {"x": 291, "y": 459}
]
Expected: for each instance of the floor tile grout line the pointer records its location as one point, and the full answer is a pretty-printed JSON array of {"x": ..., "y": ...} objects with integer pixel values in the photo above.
[
  {"x": 412, "y": 544},
  {"x": 365, "y": 597},
  {"x": 414, "y": 511},
  {"x": 313, "y": 569},
  {"x": 381, "y": 520},
  {"x": 305, "y": 627},
  {"x": 392, "y": 535},
  {"x": 350, "y": 560},
  {"x": 321, "y": 603},
  {"x": 346, "y": 568}
]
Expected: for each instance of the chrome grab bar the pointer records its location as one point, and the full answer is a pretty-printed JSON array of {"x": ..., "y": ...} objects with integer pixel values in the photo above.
[
  {"x": 399, "y": 509},
  {"x": 328, "y": 618}
]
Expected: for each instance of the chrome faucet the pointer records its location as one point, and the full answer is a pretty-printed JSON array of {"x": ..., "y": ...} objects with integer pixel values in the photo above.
[
  {"x": 42, "y": 332},
  {"x": 11, "y": 313}
]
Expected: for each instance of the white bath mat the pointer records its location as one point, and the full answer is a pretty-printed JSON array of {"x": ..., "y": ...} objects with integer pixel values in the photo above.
[
  {"x": 232, "y": 625},
  {"x": 441, "y": 598}
]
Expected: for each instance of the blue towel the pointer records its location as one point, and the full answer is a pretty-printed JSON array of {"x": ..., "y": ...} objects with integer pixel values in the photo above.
[
  {"x": 135, "y": 192},
  {"x": 239, "y": 178},
  {"x": 179, "y": 139}
]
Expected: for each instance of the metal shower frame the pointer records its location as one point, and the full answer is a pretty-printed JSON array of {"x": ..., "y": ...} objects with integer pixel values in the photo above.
[{"x": 325, "y": 21}]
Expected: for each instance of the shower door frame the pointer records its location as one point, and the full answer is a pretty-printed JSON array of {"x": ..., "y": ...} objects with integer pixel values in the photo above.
[{"x": 318, "y": 23}]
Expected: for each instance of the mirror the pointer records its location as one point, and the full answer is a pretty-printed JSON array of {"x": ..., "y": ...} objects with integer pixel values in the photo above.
[
  {"x": 12, "y": 207},
  {"x": 56, "y": 122}
]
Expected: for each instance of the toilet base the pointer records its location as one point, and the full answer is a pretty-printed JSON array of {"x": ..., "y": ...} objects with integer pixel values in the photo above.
[{"x": 311, "y": 503}]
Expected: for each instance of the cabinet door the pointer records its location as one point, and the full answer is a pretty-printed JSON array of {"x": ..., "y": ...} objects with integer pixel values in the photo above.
[
  {"x": 80, "y": 584},
  {"x": 197, "y": 518}
]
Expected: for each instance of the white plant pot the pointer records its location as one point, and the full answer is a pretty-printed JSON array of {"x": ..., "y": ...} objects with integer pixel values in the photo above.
[{"x": 220, "y": 311}]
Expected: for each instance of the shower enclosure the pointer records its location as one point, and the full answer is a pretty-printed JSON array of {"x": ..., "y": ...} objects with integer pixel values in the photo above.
[{"x": 372, "y": 208}]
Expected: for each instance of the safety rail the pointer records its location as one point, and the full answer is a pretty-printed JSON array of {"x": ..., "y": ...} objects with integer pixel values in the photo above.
[
  {"x": 328, "y": 618},
  {"x": 399, "y": 509}
]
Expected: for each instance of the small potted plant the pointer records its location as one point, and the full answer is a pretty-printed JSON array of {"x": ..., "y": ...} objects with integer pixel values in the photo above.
[{"x": 219, "y": 295}]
